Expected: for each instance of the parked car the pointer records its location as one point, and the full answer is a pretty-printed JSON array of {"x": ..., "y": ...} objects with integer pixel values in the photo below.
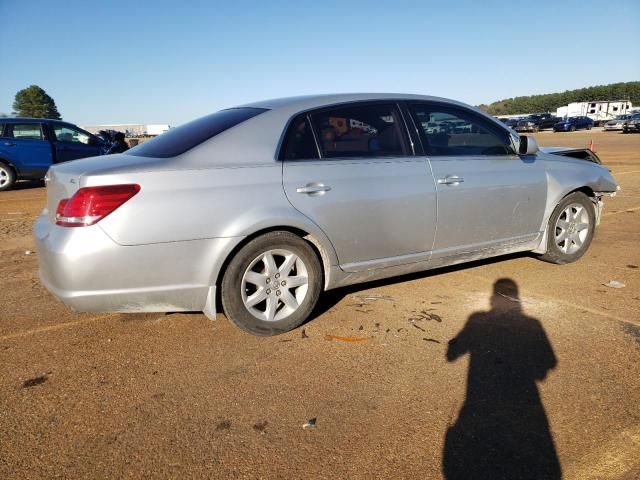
[
  {"x": 617, "y": 123},
  {"x": 512, "y": 122},
  {"x": 29, "y": 146},
  {"x": 267, "y": 205},
  {"x": 632, "y": 125},
  {"x": 572, "y": 124},
  {"x": 537, "y": 122}
]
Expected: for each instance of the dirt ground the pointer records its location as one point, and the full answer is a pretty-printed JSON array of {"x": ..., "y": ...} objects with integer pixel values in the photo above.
[{"x": 450, "y": 380}]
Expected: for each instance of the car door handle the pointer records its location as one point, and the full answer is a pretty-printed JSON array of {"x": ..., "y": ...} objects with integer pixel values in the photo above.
[
  {"x": 9, "y": 144},
  {"x": 450, "y": 180},
  {"x": 313, "y": 189}
]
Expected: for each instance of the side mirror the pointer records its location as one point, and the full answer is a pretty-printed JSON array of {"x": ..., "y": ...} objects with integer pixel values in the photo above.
[{"x": 528, "y": 146}]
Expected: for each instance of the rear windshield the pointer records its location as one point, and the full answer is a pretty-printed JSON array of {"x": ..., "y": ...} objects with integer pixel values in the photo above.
[{"x": 178, "y": 140}]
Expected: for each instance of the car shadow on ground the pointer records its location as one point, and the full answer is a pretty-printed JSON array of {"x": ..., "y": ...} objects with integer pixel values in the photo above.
[
  {"x": 28, "y": 184},
  {"x": 502, "y": 431},
  {"x": 330, "y": 299}
]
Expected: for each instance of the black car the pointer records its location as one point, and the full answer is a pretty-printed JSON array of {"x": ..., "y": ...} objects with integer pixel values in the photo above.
[
  {"x": 510, "y": 122},
  {"x": 536, "y": 122}
]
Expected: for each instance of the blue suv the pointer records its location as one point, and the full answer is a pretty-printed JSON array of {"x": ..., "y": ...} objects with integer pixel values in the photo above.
[
  {"x": 29, "y": 146},
  {"x": 572, "y": 124}
]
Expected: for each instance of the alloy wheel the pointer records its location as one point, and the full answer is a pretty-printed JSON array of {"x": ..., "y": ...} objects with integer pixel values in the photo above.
[
  {"x": 572, "y": 228},
  {"x": 274, "y": 285},
  {"x": 4, "y": 176}
]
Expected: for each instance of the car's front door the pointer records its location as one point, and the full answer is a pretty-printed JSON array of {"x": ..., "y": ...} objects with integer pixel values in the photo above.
[
  {"x": 71, "y": 143},
  {"x": 488, "y": 197},
  {"x": 374, "y": 200},
  {"x": 25, "y": 146}
]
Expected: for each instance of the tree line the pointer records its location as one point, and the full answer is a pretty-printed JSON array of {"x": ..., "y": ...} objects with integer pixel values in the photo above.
[{"x": 551, "y": 101}]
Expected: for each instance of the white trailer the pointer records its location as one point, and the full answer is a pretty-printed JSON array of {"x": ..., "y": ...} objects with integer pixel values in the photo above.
[
  {"x": 154, "y": 130},
  {"x": 597, "y": 110}
]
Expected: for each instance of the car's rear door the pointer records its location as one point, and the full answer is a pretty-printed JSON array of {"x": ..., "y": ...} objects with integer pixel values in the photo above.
[
  {"x": 364, "y": 188},
  {"x": 25, "y": 146},
  {"x": 71, "y": 142},
  {"x": 488, "y": 197}
]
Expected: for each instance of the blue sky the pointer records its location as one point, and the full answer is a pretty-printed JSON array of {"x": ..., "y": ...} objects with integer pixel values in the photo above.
[{"x": 168, "y": 62}]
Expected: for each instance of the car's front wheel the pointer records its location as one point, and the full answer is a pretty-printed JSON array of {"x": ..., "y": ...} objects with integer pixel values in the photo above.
[
  {"x": 272, "y": 284},
  {"x": 570, "y": 229},
  {"x": 7, "y": 176}
]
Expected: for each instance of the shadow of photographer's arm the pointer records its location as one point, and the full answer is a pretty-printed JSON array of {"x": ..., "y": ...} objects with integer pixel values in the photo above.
[{"x": 458, "y": 346}]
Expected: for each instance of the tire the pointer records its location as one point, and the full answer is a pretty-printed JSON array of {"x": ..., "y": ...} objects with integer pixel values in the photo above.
[
  {"x": 573, "y": 128},
  {"x": 7, "y": 177},
  {"x": 248, "y": 292},
  {"x": 566, "y": 240},
  {"x": 589, "y": 127}
]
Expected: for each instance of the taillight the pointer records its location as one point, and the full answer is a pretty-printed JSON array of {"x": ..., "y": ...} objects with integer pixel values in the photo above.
[{"x": 89, "y": 205}]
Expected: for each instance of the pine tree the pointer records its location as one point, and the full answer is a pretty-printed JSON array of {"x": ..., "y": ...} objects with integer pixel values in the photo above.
[{"x": 34, "y": 102}]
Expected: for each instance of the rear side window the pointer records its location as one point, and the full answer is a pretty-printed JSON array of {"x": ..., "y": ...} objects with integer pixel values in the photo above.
[
  {"x": 452, "y": 131},
  {"x": 299, "y": 143},
  {"x": 24, "y": 131},
  {"x": 178, "y": 140},
  {"x": 370, "y": 130}
]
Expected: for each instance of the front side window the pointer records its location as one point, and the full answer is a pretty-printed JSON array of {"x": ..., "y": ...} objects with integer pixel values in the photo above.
[
  {"x": 68, "y": 134},
  {"x": 453, "y": 131},
  {"x": 24, "y": 131},
  {"x": 370, "y": 130}
]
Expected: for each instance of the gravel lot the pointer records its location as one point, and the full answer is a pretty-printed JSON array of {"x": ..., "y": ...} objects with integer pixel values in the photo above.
[{"x": 449, "y": 380}]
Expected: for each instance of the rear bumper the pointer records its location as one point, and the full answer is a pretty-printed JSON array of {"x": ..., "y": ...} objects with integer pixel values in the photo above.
[{"x": 85, "y": 269}]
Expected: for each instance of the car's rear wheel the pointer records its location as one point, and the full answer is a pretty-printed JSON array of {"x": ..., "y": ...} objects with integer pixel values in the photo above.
[
  {"x": 570, "y": 229},
  {"x": 7, "y": 176},
  {"x": 589, "y": 127},
  {"x": 573, "y": 128},
  {"x": 272, "y": 284}
]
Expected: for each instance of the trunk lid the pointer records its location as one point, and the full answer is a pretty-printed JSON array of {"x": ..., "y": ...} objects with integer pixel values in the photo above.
[{"x": 64, "y": 179}]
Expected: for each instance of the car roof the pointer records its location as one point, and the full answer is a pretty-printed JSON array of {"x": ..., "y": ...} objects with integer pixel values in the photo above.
[
  {"x": 308, "y": 102},
  {"x": 30, "y": 119}
]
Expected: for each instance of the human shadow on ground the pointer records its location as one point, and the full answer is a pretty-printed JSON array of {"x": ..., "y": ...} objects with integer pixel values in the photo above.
[{"x": 502, "y": 431}]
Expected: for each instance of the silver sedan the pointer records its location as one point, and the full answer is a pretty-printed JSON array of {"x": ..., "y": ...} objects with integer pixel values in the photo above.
[
  {"x": 617, "y": 123},
  {"x": 262, "y": 207}
]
